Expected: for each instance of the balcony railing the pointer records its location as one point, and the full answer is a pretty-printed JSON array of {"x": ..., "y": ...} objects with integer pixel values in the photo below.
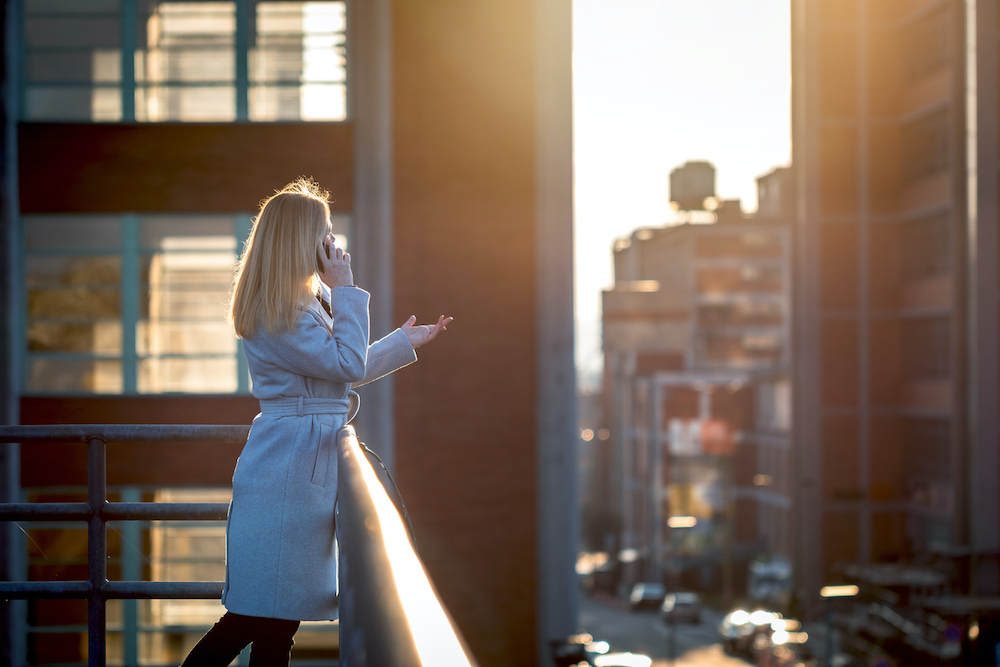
[{"x": 390, "y": 613}]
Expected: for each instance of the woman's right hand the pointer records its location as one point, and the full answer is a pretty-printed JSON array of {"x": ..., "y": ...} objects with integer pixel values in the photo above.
[{"x": 336, "y": 264}]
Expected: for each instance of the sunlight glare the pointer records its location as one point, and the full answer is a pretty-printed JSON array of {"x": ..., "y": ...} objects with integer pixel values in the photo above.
[{"x": 432, "y": 631}]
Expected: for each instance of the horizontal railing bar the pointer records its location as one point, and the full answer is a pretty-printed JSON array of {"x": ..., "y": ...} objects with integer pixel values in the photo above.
[
  {"x": 30, "y": 590},
  {"x": 165, "y": 511},
  {"x": 57, "y": 630},
  {"x": 44, "y": 512},
  {"x": 125, "y": 433},
  {"x": 115, "y": 512},
  {"x": 163, "y": 590},
  {"x": 298, "y": 661},
  {"x": 112, "y": 590},
  {"x": 316, "y": 626},
  {"x": 309, "y": 626}
]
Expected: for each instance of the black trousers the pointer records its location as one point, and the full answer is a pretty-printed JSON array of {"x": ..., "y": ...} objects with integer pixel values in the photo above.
[{"x": 271, "y": 639}]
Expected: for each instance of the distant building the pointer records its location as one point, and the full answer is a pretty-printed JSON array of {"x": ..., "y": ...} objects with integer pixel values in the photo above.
[{"x": 697, "y": 346}]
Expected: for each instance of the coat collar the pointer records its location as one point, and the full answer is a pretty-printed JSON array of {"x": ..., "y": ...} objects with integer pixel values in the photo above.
[{"x": 313, "y": 305}]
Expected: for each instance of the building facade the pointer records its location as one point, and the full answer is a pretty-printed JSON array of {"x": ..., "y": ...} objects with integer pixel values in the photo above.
[
  {"x": 895, "y": 146},
  {"x": 140, "y": 136},
  {"x": 697, "y": 344}
]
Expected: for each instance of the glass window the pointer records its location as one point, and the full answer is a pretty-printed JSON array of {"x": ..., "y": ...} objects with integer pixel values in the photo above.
[
  {"x": 926, "y": 247},
  {"x": 185, "y": 60},
  {"x": 126, "y": 304},
  {"x": 73, "y": 300},
  {"x": 740, "y": 313},
  {"x": 44, "y": 232},
  {"x": 72, "y": 376},
  {"x": 774, "y": 405},
  {"x": 731, "y": 349},
  {"x": 926, "y": 348},
  {"x": 298, "y": 68},
  {"x": 133, "y": 304},
  {"x": 185, "y": 65},
  {"x": 182, "y": 339},
  {"x": 72, "y": 63},
  {"x": 927, "y": 146},
  {"x": 927, "y": 44}
]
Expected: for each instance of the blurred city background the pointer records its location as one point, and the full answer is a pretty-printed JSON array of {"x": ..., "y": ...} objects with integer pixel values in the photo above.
[
  {"x": 723, "y": 385},
  {"x": 795, "y": 421}
]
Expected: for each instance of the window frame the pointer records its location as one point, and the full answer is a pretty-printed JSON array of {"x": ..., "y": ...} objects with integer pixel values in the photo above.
[
  {"x": 245, "y": 12},
  {"x": 131, "y": 254}
]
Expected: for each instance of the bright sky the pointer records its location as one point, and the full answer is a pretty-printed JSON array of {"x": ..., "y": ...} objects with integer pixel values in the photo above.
[{"x": 657, "y": 83}]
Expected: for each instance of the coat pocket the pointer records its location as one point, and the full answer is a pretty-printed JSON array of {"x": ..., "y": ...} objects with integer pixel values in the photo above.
[{"x": 323, "y": 453}]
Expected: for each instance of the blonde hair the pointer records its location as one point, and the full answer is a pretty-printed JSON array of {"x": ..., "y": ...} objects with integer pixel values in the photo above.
[{"x": 277, "y": 270}]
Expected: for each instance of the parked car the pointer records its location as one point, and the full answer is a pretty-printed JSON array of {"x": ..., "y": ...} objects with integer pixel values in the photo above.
[
  {"x": 785, "y": 646},
  {"x": 737, "y": 633},
  {"x": 680, "y": 607},
  {"x": 581, "y": 650},
  {"x": 646, "y": 596},
  {"x": 740, "y": 628}
]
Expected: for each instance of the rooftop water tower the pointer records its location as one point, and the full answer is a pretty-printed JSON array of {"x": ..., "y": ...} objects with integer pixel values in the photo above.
[{"x": 691, "y": 184}]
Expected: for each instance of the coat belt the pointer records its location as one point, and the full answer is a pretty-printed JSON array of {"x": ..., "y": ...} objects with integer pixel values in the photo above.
[{"x": 300, "y": 406}]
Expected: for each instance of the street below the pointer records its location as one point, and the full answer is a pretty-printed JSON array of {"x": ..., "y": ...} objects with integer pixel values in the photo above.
[{"x": 680, "y": 645}]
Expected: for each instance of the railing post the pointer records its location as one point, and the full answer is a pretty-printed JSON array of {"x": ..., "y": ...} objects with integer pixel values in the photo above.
[
  {"x": 131, "y": 571},
  {"x": 97, "y": 552}
]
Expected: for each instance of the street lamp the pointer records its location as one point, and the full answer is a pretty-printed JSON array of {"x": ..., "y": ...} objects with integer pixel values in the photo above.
[{"x": 831, "y": 593}]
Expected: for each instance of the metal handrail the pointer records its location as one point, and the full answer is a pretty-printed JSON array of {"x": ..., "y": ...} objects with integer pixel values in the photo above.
[
  {"x": 97, "y": 511},
  {"x": 390, "y": 612},
  {"x": 125, "y": 433}
]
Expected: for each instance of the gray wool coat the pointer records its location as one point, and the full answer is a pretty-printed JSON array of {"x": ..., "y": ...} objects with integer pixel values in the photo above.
[{"x": 281, "y": 559}]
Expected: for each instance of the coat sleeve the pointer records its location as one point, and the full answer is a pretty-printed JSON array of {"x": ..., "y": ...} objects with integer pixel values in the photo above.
[
  {"x": 388, "y": 355},
  {"x": 311, "y": 350}
]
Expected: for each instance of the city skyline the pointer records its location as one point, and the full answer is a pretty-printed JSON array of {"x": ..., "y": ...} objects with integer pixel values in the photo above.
[{"x": 635, "y": 63}]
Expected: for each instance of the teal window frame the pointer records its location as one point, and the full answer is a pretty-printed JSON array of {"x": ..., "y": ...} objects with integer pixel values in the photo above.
[
  {"x": 128, "y": 16},
  {"x": 130, "y": 253}
]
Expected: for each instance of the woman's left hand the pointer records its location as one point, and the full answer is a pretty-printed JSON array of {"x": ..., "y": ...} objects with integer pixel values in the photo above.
[{"x": 424, "y": 333}]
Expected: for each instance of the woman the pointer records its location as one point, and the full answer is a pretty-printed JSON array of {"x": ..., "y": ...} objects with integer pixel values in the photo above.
[{"x": 304, "y": 327}]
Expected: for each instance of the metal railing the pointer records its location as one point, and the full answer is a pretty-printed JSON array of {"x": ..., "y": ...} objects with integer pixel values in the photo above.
[
  {"x": 390, "y": 612},
  {"x": 97, "y": 511}
]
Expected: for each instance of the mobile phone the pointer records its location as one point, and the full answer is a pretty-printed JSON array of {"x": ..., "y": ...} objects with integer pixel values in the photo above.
[{"x": 319, "y": 257}]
